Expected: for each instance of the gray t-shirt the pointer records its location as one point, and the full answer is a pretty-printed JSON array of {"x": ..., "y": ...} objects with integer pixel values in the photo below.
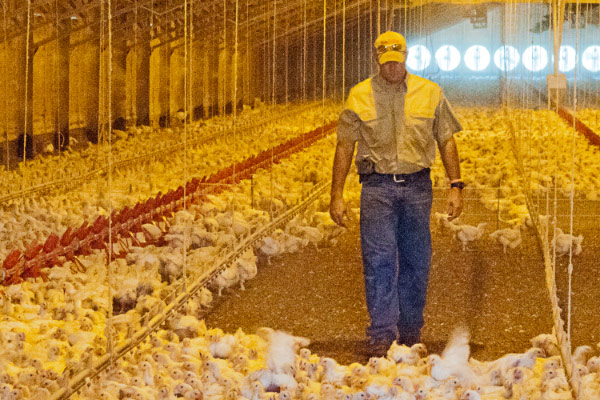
[{"x": 399, "y": 136}]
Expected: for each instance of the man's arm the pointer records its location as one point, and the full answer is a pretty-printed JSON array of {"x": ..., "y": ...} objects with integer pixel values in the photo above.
[
  {"x": 449, "y": 154},
  {"x": 341, "y": 165}
]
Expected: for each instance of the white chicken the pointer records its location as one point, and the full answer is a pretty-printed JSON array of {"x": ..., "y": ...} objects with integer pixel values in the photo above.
[
  {"x": 228, "y": 278},
  {"x": 469, "y": 233},
  {"x": 247, "y": 268},
  {"x": 563, "y": 242},
  {"x": 508, "y": 237}
]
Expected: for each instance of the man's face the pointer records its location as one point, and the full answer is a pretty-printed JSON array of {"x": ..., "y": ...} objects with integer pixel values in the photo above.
[{"x": 393, "y": 71}]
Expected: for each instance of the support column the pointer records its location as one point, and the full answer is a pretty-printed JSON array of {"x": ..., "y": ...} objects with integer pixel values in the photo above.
[
  {"x": 177, "y": 82},
  {"x": 24, "y": 94},
  {"x": 197, "y": 77},
  {"x": 119, "y": 89},
  {"x": 165, "y": 85},
  {"x": 63, "y": 48},
  {"x": 92, "y": 86},
  {"x": 223, "y": 79},
  {"x": 206, "y": 97},
  {"x": 142, "y": 84}
]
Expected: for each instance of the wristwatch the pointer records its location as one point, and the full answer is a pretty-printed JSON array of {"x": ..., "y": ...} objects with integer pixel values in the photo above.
[{"x": 459, "y": 184}]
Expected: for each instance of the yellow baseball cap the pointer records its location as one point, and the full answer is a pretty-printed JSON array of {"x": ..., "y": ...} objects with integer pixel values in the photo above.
[{"x": 391, "y": 46}]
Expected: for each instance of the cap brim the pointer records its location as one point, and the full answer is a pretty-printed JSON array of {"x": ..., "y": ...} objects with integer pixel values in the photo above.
[{"x": 392, "y": 56}]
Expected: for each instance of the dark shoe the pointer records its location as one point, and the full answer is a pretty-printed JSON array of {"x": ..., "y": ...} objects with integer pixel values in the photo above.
[
  {"x": 378, "y": 348},
  {"x": 409, "y": 340}
]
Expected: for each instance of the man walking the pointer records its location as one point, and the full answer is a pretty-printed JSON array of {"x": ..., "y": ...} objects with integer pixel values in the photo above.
[{"x": 397, "y": 119}]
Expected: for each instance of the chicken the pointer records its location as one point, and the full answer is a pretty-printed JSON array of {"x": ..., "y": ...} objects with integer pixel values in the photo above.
[
  {"x": 228, "y": 278},
  {"x": 270, "y": 248},
  {"x": 454, "y": 359},
  {"x": 469, "y": 233},
  {"x": 508, "y": 237},
  {"x": 562, "y": 243},
  {"x": 406, "y": 355},
  {"x": 247, "y": 268}
]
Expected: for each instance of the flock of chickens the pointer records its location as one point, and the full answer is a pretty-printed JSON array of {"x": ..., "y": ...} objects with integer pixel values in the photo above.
[
  {"x": 487, "y": 148},
  {"x": 51, "y": 329}
]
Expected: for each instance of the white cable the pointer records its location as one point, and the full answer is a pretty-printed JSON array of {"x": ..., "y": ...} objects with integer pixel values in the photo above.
[
  {"x": 572, "y": 194},
  {"x": 57, "y": 120},
  {"x": 107, "y": 102},
  {"x": 5, "y": 87},
  {"x": 344, "y": 50},
  {"x": 28, "y": 44},
  {"x": 186, "y": 111},
  {"x": 359, "y": 47},
  {"x": 324, "y": 57}
]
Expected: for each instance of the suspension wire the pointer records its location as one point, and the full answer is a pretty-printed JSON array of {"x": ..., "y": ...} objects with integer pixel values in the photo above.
[
  {"x": 304, "y": 48},
  {"x": 274, "y": 72},
  {"x": 108, "y": 128},
  {"x": 344, "y": 51},
  {"x": 27, "y": 46},
  {"x": 235, "y": 74},
  {"x": 133, "y": 68},
  {"x": 224, "y": 77},
  {"x": 57, "y": 89},
  {"x": 405, "y": 22},
  {"x": 314, "y": 64},
  {"x": 335, "y": 89},
  {"x": 572, "y": 193},
  {"x": 286, "y": 61},
  {"x": 370, "y": 37},
  {"x": 378, "y": 17},
  {"x": 5, "y": 87},
  {"x": 386, "y": 14},
  {"x": 248, "y": 55},
  {"x": 358, "y": 40},
  {"x": 186, "y": 110},
  {"x": 324, "y": 57}
]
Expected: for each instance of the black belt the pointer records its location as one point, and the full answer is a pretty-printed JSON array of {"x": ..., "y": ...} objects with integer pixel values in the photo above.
[{"x": 398, "y": 178}]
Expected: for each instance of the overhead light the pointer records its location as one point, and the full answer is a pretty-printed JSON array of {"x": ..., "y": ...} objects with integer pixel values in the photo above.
[
  {"x": 535, "y": 58},
  {"x": 477, "y": 58},
  {"x": 447, "y": 57},
  {"x": 567, "y": 58},
  {"x": 506, "y": 58},
  {"x": 418, "y": 58},
  {"x": 73, "y": 17},
  {"x": 591, "y": 58}
]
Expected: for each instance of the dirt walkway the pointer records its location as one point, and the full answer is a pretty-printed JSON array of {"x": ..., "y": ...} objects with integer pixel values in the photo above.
[{"x": 500, "y": 297}]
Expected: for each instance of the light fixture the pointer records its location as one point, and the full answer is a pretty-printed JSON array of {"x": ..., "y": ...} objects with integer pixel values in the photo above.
[
  {"x": 477, "y": 58},
  {"x": 535, "y": 58},
  {"x": 447, "y": 57},
  {"x": 506, "y": 58},
  {"x": 567, "y": 58},
  {"x": 418, "y": 57},
  {"x": 591, "y": 58}
]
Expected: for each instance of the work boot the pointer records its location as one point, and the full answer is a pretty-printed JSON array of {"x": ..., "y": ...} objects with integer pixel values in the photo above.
[{"x": 378, "y": 347}]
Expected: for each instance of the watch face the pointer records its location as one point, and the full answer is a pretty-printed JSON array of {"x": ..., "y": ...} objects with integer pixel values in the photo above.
[{"x": 459, "y": 185}]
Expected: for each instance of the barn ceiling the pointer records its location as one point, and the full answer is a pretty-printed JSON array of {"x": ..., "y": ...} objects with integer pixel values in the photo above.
[{"x": 137, "y": 21}]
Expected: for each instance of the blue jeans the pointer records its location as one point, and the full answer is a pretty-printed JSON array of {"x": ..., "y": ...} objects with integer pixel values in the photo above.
[{"x": 396, "y": 251}]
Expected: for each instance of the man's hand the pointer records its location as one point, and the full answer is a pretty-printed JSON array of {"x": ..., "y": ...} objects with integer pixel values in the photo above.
[
  {"x": 337, "y": 210},
  {"x": 455, "y": 203}
]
